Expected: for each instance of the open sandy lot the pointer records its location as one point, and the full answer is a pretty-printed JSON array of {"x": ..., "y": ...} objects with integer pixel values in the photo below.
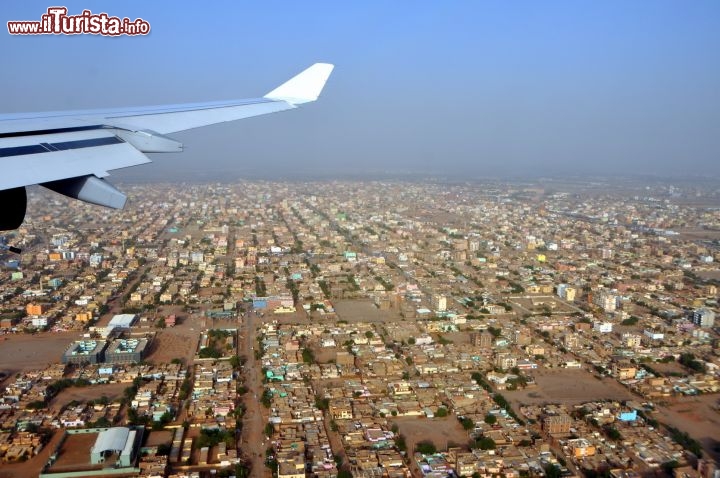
[
  {"x": 19, "y": 352},
  {"x": 363, "y": 311},
  {"x": 441, "y": 431},
  {"x": 698, "y": 417},
  {"x": 85, "y": 394},
  {"x": 176, "y": 342},
  {"x": 569, "y": 387},
  {"x": 75, "y": 453}
]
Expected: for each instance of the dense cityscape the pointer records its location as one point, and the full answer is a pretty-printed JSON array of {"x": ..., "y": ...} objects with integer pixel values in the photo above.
[{"x": 368, "y": 329}]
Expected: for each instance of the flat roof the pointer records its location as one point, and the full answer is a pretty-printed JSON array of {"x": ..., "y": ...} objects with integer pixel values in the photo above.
[
  {"x": 127, "y": 346},
  {"x": 84, "y": 347},
  {"x": 113, "y": 439},
  {"x": 122, "y": 320}
]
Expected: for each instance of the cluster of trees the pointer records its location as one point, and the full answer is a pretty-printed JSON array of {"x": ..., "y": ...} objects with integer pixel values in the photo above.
[
  {"x": 632, "y": 320},
  {"x": 212, "y": 436},
  {"x": 266, "y": 398},
  {"x": 498, "y": 398},
  {"x": 686, "y": 441},
  {"x": 308, "y": 355},
  {"x": 294, "y": 290},
  {"x": 386, "y": 284},
  {"x": 209, "y": 352},
  {"x": 260, "y": 288},
  {"x": 689, "y": 361},
  {"x": 466, "y": 423},
  {"x": 213, "y": 349},
  {"x": 325, "y": 288},
  {"x": 185, "y": 389},
  {"x": 483, "y": 443}
]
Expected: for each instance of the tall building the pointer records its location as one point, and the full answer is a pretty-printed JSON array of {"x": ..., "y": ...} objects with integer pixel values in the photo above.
[
  {"x": 704, "y": 317},
  {"x": 606, "y": 301},
  {"x": 482, "y": 340},
  {"x": 557, "y": 424},
  {"x": 439, "y": 303},
  {"x": 566, "y": 292}
]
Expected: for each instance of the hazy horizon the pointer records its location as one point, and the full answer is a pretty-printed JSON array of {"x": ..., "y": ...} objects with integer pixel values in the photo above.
[{"x": 465, "y": 89}]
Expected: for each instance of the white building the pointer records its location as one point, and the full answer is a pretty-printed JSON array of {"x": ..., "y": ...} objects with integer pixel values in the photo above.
[
  {"x": 704, "y": 317},
  {"x": 603, "y": 327},
  {"x": 39, "y": 322},
  {"x": 606, "y": 301},
  {"x": 653, "y": 335},
  {"x": 439, "y": 303}
]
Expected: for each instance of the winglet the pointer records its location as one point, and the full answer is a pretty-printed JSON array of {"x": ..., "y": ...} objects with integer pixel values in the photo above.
[{"x": 303, "y": 87}]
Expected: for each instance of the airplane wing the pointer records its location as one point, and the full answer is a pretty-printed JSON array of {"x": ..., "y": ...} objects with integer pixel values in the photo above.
[{"x": 71, "y": 151}]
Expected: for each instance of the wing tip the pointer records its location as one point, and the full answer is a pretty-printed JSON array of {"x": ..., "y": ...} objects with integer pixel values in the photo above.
[{"x": 304, "y": 87}]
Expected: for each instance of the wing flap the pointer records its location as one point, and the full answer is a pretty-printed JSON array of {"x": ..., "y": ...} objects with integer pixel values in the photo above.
[{"x": 44, "y": 158}]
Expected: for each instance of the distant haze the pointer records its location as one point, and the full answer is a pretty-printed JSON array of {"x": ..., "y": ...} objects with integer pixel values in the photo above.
[{"x": 420, "y": 87}]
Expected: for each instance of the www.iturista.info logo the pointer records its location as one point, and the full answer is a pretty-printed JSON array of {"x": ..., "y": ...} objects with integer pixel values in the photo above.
[{"x": 57, "y": 22}]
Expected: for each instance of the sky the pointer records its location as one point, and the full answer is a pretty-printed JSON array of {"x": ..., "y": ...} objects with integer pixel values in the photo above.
[{"x": 468, "y": 89}]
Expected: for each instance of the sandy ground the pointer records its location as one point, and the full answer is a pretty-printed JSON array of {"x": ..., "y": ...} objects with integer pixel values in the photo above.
[
  {"x": 569, "y": 387},
  {"x": 668, "y": 368},
  {"x": 85, "y": 394},
  {"x": 19, "y": 352},
  {"x": 693, "y": 234},
  {"x": 697, "y": 417},
  {"x": 75, "y": 452},
  {"x": 176, "y": 342},
  {"x": 253, "y": 443},
  {"x": 709, "y": 274},
  {"x": 441, "y": 431},
  {"x": 363, "y": 311}
]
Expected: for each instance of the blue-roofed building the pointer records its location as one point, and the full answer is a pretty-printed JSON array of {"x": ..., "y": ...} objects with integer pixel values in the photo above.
[{"x": 628, "y": 416}]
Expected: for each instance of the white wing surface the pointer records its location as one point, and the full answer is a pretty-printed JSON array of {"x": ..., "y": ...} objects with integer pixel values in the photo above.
[{"x": 69, "y": 151}]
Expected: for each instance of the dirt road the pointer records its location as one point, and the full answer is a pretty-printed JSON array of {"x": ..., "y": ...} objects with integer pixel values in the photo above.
[{"x": 254, "y": 441}]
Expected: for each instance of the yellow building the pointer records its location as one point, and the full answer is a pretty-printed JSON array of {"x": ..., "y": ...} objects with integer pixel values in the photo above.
[
  {"x": 83, "y": 317},
  {"x": 581, "y": 448},
  {"x": 35, "y": 309}
]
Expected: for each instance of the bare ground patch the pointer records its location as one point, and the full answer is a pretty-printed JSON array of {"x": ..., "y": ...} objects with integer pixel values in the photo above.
[
  {"x": 698, "y": 417},
  {"x": 75, "y": 453},
  {"x": 569, "y": 386},
  {"x": 441, "y": 431},
  {"x": 363, "y": 311},
  {"x": 176, "y": 342},
  {"x": 20, "y": 352},
  {"x": 84, "y": 394}
]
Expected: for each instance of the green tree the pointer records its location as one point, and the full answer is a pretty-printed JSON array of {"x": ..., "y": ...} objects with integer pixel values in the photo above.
[
  {"x": 401, "y": 443},
  {"x": 485, "y": 443},
  {"x": 552, "y": 471},
  {"x": 426, "y": 447}
]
